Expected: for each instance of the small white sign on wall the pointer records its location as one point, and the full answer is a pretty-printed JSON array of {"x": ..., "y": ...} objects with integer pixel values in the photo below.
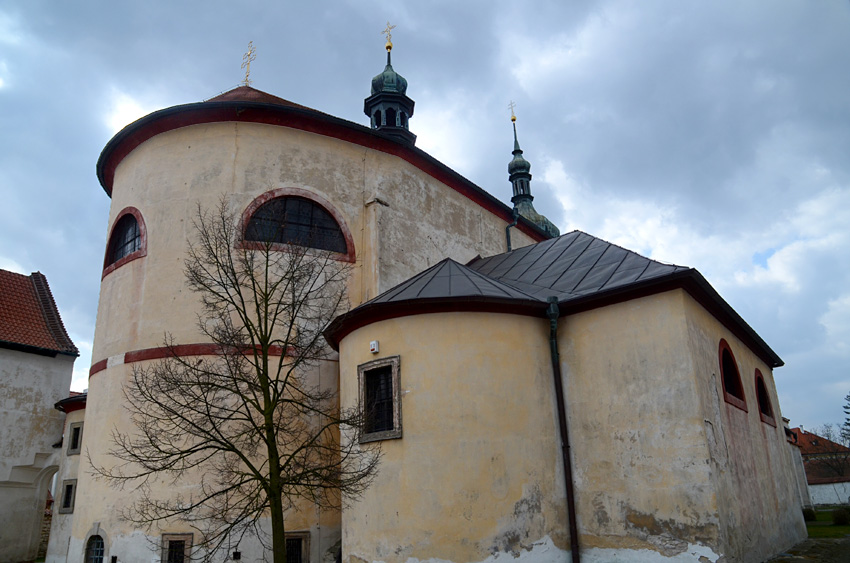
[{"x": 373, "y": 346}]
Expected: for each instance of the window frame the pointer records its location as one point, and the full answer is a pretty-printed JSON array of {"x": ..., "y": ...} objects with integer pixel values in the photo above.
[
  {"x": 71, "y": 449},
  {"x": 70, "y": 508},
  {"x": 739, "y": 402},
  {"x": 87, "y": 555},
  {"x": 280, "y": 193},
  {"x": 166, "y": 540},
  {"x": 394, "y": 362},
  {"x": 136, "y": 254},
  {"x": 767, "y": 418},
  {"x": 305, "y": 544}
]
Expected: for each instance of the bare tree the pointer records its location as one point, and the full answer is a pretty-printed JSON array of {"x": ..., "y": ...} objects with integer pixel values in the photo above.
[{"x": 245, "y": 428}]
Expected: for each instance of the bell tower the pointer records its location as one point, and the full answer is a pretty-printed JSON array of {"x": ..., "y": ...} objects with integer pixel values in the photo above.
[
  {"x": 388, "y": 106},
  {"x": 519, "y": 175}
]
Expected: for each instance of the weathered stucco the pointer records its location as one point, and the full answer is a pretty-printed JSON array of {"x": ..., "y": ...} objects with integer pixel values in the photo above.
[
  {"x": 30, "y": 384},
  {"x": 650, "y": 483},
  {"x": 476, "y": 472},
  {"x": 401, "y": 221},
  {"x": 69, "y": 468},
  {"x": 751, "y": 465}
]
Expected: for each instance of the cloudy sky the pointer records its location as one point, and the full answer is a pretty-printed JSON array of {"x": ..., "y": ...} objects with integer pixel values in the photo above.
[{"x": 707, "y": 134}]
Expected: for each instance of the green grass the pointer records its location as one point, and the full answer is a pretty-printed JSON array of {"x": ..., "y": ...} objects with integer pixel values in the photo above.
[{"x": 822, "y": 527}]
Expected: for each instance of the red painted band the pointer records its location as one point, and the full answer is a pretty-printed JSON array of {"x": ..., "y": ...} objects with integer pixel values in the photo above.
[
  {"x": 303, "y": 119},
  {"x": 178, "y": 351}
]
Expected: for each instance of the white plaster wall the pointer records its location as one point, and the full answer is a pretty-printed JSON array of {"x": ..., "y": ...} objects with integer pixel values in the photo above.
[
  {"x": 30, "y": 384},
  {"x": 69, "y": 468},
  {"x": 831, "y": 493}
]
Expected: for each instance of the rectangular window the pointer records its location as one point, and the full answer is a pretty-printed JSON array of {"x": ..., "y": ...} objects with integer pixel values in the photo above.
[
  {"x": 380, "y": 399},
  {"x": 69, "y": 492},
  {"x": 75, "y": 438},
  {"x": 298, "y": 547},
  {"x": 176, "y": 548}
]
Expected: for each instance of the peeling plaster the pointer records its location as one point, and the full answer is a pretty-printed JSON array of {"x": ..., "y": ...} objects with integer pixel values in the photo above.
[{"x": 545, "y": 551}]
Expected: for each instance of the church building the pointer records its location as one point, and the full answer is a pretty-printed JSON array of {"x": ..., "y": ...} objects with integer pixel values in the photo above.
[{"x": 545, "y": 397}]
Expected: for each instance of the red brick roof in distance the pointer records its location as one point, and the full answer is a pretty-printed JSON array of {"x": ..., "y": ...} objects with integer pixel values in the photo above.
[
  {"x": 29, "y": 319},
  {"x": 812, "y": 444}
]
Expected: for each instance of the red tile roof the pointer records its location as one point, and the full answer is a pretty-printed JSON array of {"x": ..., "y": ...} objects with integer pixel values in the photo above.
[
  {"x": 248, "y": 94},
  {"x": 812, "y": 444},
  {"x": 29, "y": 319}
]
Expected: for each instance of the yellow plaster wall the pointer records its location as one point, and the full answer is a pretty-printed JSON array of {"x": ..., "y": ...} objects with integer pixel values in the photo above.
[
  {"x": 478, "y": 468},
  {"x": 751, "y": 464},
  {"x": 636, "y": 426}
]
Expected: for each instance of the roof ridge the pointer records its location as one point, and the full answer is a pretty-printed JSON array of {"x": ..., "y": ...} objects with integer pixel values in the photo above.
[
  {"x": 499, "y": 284},
  {"x": 51, "y": 314}
]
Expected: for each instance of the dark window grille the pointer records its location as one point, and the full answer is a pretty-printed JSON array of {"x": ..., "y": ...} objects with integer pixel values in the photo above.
[
  {"x": 764, "y": 398},
  {"x": 379, "y": 399},
  {"x": 293, "y": 550},
  {"x": 75, "y": 438},
  {"x": 731, "y": 378},
  {"x": 94, "y": 550},
  {"x": 126, "y": 239},
  {"x": 298, "y": 221},
  {"x": 176, "y": 551}
]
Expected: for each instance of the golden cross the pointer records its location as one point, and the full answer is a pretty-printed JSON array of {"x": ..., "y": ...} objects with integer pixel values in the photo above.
[
  {"x": 511, "y": 107},
  {"x": 389, "y": 34},
  {"x": 246, "y": 62}
]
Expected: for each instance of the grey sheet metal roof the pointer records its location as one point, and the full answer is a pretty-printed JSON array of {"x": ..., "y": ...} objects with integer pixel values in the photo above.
[
  {"x": 448, "y": 279},
  {"x": 584, "y": 272},
  {"x": 571, "y": 266}
]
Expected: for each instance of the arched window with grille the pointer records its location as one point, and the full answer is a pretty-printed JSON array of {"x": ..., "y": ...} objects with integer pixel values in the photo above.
[
  {"x": 127, "y": 240},
  {"x": 287, "y": 217},
  {"x": 94, "y": 550},
  {"x": 733, "y": 390}
]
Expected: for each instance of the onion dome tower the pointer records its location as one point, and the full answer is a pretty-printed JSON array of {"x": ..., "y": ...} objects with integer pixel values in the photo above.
[
  {"x": 388, "y": 106},
  {"x": 519, "y": 171}
]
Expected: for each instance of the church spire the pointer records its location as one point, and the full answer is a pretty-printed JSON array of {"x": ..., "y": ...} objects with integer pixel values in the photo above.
[
  {"x": 388, "y": 106},
  {"x": 519, "y": 174}
]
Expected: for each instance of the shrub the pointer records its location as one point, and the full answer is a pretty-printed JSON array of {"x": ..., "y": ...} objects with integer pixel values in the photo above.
[
  {"x": 840, "y": 517},
  {"x": 809, "y": 514}
]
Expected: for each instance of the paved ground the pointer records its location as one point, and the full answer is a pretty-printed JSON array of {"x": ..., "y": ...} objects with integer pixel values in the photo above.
[{"x": 817, "y": 550}]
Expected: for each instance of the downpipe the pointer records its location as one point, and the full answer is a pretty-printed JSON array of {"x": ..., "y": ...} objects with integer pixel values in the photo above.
[{"x": 553, "y": 312}]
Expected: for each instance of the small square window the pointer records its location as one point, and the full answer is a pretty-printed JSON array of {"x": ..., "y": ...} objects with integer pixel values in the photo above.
[
  {"x": 298, "y": 547},
  {"x": 75, "y": 438},
  {"x": 380, "y": 399},
  {"x": 69, "y": 492},
  {"x": 176, "y": 548}
]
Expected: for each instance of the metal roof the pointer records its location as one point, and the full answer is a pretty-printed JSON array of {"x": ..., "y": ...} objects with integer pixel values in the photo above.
[
  {"x": 448, "y": 279},
  {"x": 582, "y": 271},
  {"x": 571, "y": 266}
]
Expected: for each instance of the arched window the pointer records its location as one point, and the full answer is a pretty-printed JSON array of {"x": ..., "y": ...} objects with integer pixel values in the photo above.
[
  {"x": 126, "y": 241},
  {"x": 765, "y": 408},
  {"x": 377, "y": 119},
  {"x": 296, "y": 220},
  {"x": 391, "y": 120},
  {"x": 94, "y": 550},
  {"x": 733, "y": 390}
]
